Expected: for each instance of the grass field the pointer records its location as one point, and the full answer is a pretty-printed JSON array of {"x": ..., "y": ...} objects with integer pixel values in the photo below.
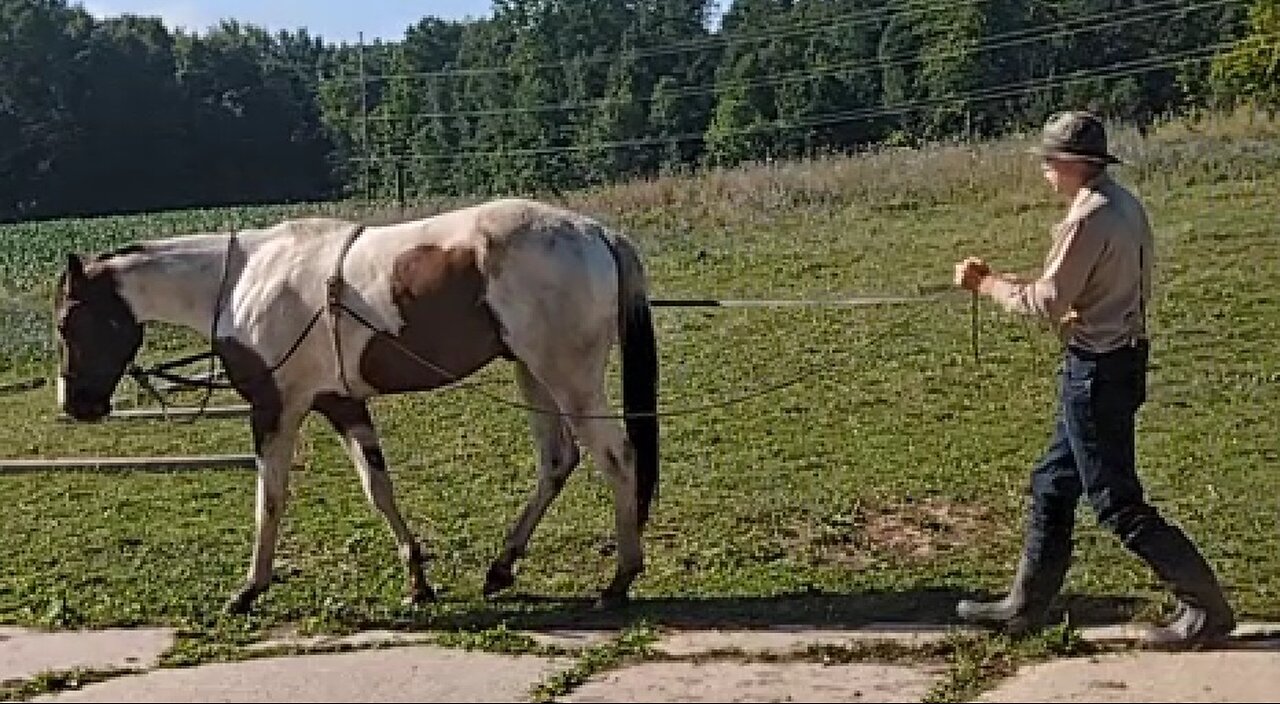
[{"x": 886, "y": 483}]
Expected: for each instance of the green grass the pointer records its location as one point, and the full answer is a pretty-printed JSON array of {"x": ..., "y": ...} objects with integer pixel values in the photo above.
[
  {"x": 888, "y": 482},
  {"x": 632, "y": 644}
]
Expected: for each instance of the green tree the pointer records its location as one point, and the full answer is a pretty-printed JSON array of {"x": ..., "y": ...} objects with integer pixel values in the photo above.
[
  {"x": 39, "y": 41},
  {"x": 534, "y": 163},
  {"x": 900, "y": 80},
  {"x": 950, "y": 67},
  {"x": 481, "y": 128},
  {"x": 126, "y": 104},
  {"x": 618, "y": 127},
  {"x": 255, "y": 134},
  {"x": 741, "y": 126},
  {"x": 430, "y": 50},
  {"x": 1250, "y": 71}
]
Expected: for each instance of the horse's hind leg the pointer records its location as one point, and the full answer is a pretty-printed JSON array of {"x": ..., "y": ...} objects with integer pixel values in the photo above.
[
  {"x": 351, "y": 419},
  {"x": 579, "y": 391},
  {"x": 614, "y": 457},
  {"x": 557, "y": 457}
]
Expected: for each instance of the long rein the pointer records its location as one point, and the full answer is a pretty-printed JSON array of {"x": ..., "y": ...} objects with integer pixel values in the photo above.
[{"x": 335, "y": 286}]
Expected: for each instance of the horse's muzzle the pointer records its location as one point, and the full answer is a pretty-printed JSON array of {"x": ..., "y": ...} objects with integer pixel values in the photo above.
[{"x": 87, "y": 411}]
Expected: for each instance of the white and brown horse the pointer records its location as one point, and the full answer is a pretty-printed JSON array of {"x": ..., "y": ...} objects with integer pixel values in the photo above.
[{"x": 547, "y": 289}]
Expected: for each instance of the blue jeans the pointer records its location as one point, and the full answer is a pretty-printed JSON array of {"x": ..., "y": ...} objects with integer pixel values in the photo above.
[{"x": 1091, "y": 453}]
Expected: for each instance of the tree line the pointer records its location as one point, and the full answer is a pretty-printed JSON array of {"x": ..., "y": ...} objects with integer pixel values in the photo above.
[{"x": 124, "y": 114}]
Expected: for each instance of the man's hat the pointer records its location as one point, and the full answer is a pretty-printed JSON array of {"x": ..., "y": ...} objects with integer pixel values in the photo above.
[{"x": 1075, "y": 135}]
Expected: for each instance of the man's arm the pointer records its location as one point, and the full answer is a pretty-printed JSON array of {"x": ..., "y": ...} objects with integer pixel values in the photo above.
[{"x": 1051, "y": 295}]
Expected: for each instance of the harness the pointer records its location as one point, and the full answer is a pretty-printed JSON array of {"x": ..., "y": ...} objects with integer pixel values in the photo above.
[
  {"x": 333, "y": 299},
  {"x": 334, "y": 287}
]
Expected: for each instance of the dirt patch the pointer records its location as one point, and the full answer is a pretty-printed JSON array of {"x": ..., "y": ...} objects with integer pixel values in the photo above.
[{"x": 912, "y": 530}]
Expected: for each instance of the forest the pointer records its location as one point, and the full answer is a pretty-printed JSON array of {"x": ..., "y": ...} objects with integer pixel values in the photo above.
[{"x": 123, "y": 114}]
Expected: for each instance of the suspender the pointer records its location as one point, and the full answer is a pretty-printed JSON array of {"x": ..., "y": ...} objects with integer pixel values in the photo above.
[{"x": 1142, "y": 295}]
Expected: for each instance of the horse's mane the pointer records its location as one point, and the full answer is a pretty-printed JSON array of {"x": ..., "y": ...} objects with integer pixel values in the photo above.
[
  {"x": 132, "y": 248},
  {"x": 313, "y": 226}
]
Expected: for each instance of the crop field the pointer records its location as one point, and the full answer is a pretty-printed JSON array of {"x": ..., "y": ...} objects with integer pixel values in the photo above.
[{"x": 885, "y": 481}]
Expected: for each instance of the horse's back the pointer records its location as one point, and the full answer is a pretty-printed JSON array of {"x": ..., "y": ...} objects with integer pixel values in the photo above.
[
  {"x": 458, "y": 287},
  {"x": 489, "y": 227}
]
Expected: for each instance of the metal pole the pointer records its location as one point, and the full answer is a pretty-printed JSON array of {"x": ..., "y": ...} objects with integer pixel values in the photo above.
[
  {"x": 197, "y": 462},
  {"x": 400, "y": 184},
  {"x": 364, "y": 120}
]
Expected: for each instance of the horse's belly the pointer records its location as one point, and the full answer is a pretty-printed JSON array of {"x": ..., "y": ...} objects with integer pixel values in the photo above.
[
  {"x": 411, "y": 363},
  {"x": 449, "y": 331}
]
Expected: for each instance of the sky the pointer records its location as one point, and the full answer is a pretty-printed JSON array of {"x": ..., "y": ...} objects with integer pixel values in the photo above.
[{"x": 336, "y": 21}]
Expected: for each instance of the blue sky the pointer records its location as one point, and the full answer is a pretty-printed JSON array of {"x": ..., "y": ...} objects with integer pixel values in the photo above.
[{"x": 335, "y": 20}]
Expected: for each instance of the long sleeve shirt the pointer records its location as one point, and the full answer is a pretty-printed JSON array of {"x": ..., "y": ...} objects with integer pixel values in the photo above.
[{"x": 1098, "y": 273}]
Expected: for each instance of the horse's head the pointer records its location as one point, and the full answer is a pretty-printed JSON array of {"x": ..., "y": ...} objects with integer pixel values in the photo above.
[{"x": 98, "y": 336}]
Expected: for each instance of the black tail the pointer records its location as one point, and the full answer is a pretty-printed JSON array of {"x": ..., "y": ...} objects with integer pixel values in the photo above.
[{"x": 639, "y": 370}]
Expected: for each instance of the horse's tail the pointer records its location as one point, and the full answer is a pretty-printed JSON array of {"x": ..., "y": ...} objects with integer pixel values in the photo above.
[{"x": 639, "y": 370}]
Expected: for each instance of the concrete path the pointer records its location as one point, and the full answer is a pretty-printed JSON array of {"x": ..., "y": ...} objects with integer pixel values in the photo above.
[
  {"x": 407, "y": 674},
  {"x": 758, "y": 682},
  {"x": 25, "y": 653},
  {"x": 695, "y": 666},
  {"x": 1220, "y": 676}
]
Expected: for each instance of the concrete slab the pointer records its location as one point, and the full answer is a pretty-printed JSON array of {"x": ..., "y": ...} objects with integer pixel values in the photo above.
[
  {"x": 1252, "y": 636},
  {"x": 363, "y": 639},
  {"x": 408, "y": 674},
  {"x": 1217, "y": 676},
  {"x": 757, "y": 682},
  {"x": 571, "y": 639},
  {"x": 25, "y": 653},
  {"x": 784, "y": 639}
]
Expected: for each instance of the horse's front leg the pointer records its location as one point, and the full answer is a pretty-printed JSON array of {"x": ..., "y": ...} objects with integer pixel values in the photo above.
[
  {"x": 275, "y": 433},
  {"x": 351, "y": 419}
]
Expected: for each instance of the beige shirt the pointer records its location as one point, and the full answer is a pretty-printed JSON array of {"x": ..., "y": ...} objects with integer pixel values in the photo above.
[{"x": 1097, "y": 276}]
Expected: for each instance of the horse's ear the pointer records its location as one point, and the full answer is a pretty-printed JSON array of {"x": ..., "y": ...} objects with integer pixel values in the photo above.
[{"x": 75, "y": 268}]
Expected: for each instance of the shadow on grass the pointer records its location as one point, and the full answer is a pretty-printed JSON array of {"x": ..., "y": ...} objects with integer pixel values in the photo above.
[{"x": 818, "y": 610}]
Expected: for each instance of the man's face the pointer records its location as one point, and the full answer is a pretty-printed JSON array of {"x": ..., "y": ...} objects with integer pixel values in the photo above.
[{"x": 1065, "y": 176}]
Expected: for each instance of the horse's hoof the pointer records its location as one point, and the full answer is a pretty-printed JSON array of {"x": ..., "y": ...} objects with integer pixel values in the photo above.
[
  {"x": 499, "y": 578},
  {"x": 420, "y": 596},
  {"x": 611, "y": 601},
  {"x": 240, "y": 604}
]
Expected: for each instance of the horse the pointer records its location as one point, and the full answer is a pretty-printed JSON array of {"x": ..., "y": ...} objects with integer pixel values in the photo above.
[{"x": 411, "y": 306}]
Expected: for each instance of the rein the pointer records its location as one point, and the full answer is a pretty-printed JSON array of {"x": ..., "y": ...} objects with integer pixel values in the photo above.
[
  {"x": 143, "y": 376},
  {"x": 335, "y": 285},
  {"x": 162, "y": 371}
]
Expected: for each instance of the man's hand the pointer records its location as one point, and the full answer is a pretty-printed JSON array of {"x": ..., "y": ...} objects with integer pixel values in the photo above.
[{"x": 971, "y": 272}]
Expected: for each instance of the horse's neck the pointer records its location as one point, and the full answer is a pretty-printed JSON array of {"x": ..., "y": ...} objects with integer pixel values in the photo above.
[{"x": 175, "y": 282}]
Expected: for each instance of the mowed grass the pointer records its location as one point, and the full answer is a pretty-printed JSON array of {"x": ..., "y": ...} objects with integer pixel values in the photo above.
[{"x": 887, "y": 480}]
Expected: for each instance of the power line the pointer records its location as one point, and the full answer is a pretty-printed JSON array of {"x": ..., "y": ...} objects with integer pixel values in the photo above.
[
  {"x": 853, "y": 19},
  {"x": 691, "y": 44},
  {"x": 1014, "y": 38},
  {"x": 269, "y": 61},
  {"x": 1129, "y": 68}
]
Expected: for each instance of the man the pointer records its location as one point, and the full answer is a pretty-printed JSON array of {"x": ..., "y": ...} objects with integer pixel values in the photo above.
[{"x": 1095, "y": 286}]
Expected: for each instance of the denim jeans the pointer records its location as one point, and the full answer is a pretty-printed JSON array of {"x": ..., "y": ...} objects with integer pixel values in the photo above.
[{"x": 1092, "y": 452}]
